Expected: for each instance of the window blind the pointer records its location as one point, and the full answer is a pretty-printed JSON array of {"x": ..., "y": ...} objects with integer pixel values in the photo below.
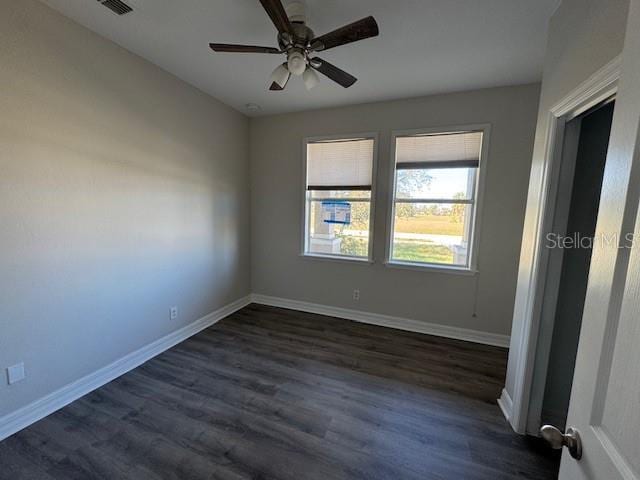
[
  {"x": 340, "y": 164},
  {"x": 448, "y": 150}
]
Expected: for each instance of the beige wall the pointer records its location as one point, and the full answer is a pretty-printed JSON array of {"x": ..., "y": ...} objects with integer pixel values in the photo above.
[
  {"x": 441, "y": 298},
  {"x": 584, "y": 36},
  {"x": 123, "y": 191}
]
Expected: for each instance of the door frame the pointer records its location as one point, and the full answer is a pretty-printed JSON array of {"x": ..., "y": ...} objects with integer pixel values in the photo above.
[{"x": 534, "y": 343}]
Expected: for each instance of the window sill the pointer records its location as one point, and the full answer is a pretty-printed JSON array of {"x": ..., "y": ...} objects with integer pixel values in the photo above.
[
  {"x": 336, "y": 258},
  {"x": 431, "y": 268}
]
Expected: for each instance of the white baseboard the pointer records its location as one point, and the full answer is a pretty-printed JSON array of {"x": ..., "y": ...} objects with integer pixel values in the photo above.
[
  {"x": 386, "y": 321},
  {"x": 25, "y": 416},
  {"x": 506, "y": 405}
]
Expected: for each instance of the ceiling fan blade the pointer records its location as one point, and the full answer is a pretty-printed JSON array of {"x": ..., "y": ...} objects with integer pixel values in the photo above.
[
  {"x": 334, "y": 73},
  {"x": 225, "y": 47},
  {"x": 365, "y": 28},
  {"x": 278, "y": 15}
]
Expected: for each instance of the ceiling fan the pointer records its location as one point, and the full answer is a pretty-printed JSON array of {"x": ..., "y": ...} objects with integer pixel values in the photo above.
[{"x": 298, "y": 42}]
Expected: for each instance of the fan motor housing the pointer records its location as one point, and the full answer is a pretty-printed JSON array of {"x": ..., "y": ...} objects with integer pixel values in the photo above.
[{"x": 302, "y": 36}]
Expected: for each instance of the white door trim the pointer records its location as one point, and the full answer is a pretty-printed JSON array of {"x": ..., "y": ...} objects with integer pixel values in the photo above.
[
  {"x": 606, "y": 387},
  {"x": 600, "y": 86}
]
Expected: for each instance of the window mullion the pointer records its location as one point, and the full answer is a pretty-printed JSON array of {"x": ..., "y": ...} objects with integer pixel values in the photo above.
[
  {"x": 453, "y": 201},
  {"x": 338, "y": 199}
]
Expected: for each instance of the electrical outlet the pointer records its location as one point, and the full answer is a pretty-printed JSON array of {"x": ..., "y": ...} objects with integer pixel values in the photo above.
[
  {"x": 356, "y": 294},
  {"x": 173, "y": 313},
  {"x": 15, "y": 373}
]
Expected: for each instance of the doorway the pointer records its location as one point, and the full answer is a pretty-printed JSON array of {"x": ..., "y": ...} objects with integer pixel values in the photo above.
[{"x": 570, "y": 244}]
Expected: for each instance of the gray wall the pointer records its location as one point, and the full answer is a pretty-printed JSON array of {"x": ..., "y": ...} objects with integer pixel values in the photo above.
[
  {"x": 584, "y": 36},
  {"x": 123, "y": 191},
  {"x": 441, "y": 298}
]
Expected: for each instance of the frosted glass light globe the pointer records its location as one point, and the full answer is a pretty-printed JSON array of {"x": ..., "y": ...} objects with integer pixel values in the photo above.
[
  {"x": 297, "y": 63},
  {"x": 310, "y": 78}
]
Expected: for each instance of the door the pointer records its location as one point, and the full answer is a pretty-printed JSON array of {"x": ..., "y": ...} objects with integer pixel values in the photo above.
[
  {"x": 571, "y": 267},
  {"x": 605, "y": 399}
]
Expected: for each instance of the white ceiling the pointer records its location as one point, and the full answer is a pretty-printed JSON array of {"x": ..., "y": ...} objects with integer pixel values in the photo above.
[{"x": 424, "y": 47}]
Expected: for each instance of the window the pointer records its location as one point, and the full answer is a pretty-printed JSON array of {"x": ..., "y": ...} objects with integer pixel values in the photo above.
[
  {"x": 435, "y": 198},
  {"x": 338, "y": 197}
]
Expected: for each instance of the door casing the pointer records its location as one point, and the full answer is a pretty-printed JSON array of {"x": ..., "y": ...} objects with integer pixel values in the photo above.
[{"x": 523, "y": 407}]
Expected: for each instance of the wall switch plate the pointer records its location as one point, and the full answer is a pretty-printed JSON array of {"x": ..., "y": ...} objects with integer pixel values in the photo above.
[
  {"x": 173, "y": 313},
  {"x": 356, "y": 294},
  {"x": 15, "y": 373}
]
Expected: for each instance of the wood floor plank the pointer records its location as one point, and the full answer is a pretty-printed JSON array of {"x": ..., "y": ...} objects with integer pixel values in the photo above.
[{"x": 277, "y": 394}]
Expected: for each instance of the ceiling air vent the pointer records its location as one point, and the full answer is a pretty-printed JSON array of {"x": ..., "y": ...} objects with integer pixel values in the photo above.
[{"x": 117, "y": 6}]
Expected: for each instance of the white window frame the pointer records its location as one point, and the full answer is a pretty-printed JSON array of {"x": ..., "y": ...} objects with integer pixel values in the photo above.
[
  {"x": 472, "y": 267},
  {"x": 305, "y": 209}
]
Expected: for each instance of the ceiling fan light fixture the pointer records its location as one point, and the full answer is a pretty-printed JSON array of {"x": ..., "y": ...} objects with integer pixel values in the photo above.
[
  {"x": 280, "y": 75},
  {"x": 298, "y": 42},
  {"x": 297, "y": 62},
  {"x": 310, "y": 79}
]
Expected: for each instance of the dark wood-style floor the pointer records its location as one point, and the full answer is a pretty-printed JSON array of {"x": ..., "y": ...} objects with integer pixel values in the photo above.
[{"x": 277, "y": 394}]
